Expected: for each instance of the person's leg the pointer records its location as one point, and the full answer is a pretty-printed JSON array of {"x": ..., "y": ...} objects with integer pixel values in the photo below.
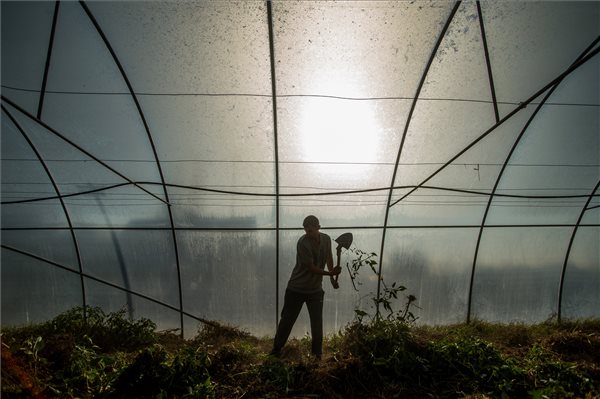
[
  {"x": 315, "y": 311},
  {"x": 292, "y": 304}
]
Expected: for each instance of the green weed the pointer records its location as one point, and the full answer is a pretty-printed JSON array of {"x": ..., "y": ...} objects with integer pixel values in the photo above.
[
  {"x": 554, "y": 378},
  {"x": 376, "y": 358},
  {"x": 90, "y": 372},
  {"x": 155, "y": 373},
  {"x": 387, "y": 298}
]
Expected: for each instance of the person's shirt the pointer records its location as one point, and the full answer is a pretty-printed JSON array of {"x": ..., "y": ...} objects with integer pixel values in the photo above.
[{"x": 302, "y": 279}]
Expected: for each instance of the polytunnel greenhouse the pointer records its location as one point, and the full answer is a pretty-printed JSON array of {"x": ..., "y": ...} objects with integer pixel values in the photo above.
[{"x": 160, "y": 157}]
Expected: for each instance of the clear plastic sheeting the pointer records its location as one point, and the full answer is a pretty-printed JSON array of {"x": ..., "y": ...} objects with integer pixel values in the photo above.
[
  {"x": 228, "y": 276},
  {"x": 435, "y": 266},
  {"x": 518, "y": 281},
  {"x": 582, "y": 275},
  {"x": 43, "y": 289},
  {"x": 159, "y": 157},
  {"x": 50, "y": 245},
  {"x": 115, "y": 300},
  {"x": 23, "y": 65},
  {"x": 530, "y": 43}
]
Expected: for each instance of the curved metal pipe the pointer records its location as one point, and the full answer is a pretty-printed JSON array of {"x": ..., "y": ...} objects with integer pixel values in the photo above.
[
  {"x": 62, "y": 204},
  {"x": 291, "y": 195},
  {"x": 501, "y": 173},
  {"x": 47, "y": 67},
  {"x": 408, "y": 120},
  {"x": 521, "y": 106},
  {"x": 487, "y": 61},
  {"x": 79, "y": 148},
  {"x": 149, "y": 135},
  {"x": 276, "y": 145},
  {"x": 568, "y": 253}
]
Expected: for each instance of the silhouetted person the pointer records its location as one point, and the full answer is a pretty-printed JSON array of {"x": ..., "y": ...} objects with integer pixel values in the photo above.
[{"x": 305, "y": 286}]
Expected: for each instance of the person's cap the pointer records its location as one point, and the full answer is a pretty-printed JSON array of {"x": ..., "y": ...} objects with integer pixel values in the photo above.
[{"x": 311, "y": 221}]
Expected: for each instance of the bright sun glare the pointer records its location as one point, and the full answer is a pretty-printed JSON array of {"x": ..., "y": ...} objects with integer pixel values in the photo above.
[{"x": 338, "y": 130}]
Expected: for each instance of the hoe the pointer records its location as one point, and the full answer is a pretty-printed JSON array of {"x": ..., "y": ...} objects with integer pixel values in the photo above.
[{"x": 343, "y": 241}]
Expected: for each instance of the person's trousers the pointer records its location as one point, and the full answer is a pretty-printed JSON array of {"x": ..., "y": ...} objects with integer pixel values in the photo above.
[{"x": 292, "y": 304}]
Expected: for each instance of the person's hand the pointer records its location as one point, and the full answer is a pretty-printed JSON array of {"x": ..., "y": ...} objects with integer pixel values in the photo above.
[
  {"x": 334, "y": 283},
  {"x": 336, "y": 270}
]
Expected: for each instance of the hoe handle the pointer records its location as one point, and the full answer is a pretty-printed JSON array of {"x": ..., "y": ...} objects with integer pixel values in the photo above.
[{"x": 334, "y": 279}]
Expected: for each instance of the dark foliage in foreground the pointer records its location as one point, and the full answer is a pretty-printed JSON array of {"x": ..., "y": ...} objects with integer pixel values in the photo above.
[{"x": 113, "y": 357}]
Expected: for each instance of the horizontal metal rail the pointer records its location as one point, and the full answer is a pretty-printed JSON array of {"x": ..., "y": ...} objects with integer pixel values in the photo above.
[
  {"x": 269, "y": 96},
  {"x": 378, "y": 227},
  {"x": 305, "y": 194}
]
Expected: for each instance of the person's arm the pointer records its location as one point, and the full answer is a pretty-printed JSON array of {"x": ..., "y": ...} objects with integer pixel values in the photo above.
[
  {"x": 331, "y": 272},
  {"x": 332, "y": 277},
  {"x": 330, "y": 262}
]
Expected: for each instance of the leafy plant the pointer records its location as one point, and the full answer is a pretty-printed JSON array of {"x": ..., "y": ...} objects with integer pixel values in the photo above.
[
  {"x": 476, "y": 365},
  {"x": 32, "y": 349},
  {"x": 381, "y": 358},
  {"x": 90, "y": 372},
  {"x": 388, "y": 295},
  {"x": 157, "y": 374},
  {"x": 275, "y": 376},
  {"x": 112, "y": 331},
  {"x": 555, "y": 378},
  {"x": 376, "y": 340}
]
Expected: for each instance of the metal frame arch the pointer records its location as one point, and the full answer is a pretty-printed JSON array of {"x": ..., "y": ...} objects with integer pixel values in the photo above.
[
  {"x": 43, "y": 163},
  {"x": 149, "y": 135},
  {"x": 501, "y": 173},
  {"x": 497, "y": 115},
  {"x": 580, "y": 61},
  {"x": 406, "y": 126},
  {"x": 48, "y": 58},
  {"x": 62, "y": 203},
  {"x": 487, "y": 61},
  {"x": 520, "y": 107},
  {"x": 38, "y": 155},
  {"x": 276, "y": 149},
  {"x": 568, "y": 253}
]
